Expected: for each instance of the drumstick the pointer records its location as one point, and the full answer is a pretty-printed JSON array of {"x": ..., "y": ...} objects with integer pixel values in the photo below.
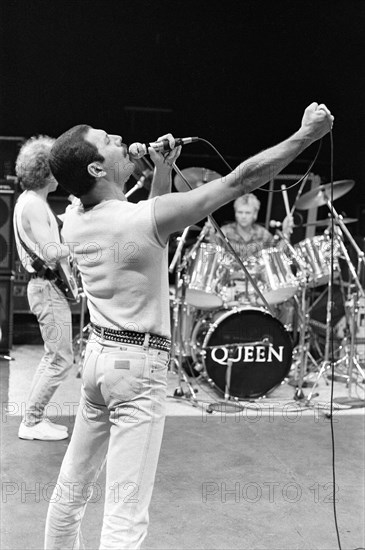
[{"x": 285, "y": 198}]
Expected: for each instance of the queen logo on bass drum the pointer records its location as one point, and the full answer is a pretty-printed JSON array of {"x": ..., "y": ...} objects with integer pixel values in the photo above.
[
  {"x": 264, "y": 353},
  {"x": 256, "y": 344}
]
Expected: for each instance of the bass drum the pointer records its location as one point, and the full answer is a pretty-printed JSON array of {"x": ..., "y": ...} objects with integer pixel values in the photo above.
[{"x": 261, "y": 351}]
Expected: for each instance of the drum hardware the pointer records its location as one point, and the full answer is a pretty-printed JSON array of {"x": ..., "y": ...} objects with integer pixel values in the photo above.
[
  {"x": 178, "y": 320},
  {"x": 226, "y": 405},
  {"x": 302, "y": 352},
  {"x": 328, "y": 221},
  {"x": 349, "y": 357}
]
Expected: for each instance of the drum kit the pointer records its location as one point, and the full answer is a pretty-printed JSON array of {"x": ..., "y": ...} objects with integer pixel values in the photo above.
[{"x": 226, "y": 326}]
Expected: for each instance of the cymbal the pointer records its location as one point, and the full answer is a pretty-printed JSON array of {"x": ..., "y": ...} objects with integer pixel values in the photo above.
[
  {"x": 318, "y": 196},
  {"x": 320, "y": 223},
  {"x": 196, "y": 177}
]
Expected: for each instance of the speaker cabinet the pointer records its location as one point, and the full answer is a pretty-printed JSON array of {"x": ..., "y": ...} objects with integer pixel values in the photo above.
[
  {"x": 6, "y": 231},
  {"x": 6, "y": 313}
]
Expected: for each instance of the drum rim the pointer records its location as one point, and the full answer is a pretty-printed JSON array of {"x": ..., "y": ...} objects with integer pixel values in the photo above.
[{"x": 230, "y": 312}]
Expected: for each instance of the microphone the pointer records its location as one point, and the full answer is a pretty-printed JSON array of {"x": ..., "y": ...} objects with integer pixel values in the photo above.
[
  {"x": 274, "y": 223},
  {"x": 138, "y": 150}
]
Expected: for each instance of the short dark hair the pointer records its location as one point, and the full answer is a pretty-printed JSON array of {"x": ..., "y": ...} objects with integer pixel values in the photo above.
[{"x": 70, "y": 156}]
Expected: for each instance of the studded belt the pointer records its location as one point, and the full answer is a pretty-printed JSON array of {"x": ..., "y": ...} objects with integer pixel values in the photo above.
[{"x": 132, "y": 337}]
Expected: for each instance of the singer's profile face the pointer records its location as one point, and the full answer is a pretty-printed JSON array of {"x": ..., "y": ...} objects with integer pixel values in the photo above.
[
  {"x": 245, "y": 216},
  {"x": 117, "y": 163}
]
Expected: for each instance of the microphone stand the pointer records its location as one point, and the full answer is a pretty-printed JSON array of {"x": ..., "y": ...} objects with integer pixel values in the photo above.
[
  {"x": 230, "y": 248},
  {"x": 135, "y": 187},
  {"x": 179, "y": 248}
]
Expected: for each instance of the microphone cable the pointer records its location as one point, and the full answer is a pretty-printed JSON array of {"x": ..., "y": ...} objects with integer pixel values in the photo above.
[
  {"x": 332, "y": 350},
  {"x": 313, "y": 161}
]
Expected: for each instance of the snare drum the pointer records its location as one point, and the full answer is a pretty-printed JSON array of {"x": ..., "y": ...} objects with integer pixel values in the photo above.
[
  {"x": 261, "y": 360},
  {"x": 207, "y": 276},
  {"x": 315, "y": 254}
]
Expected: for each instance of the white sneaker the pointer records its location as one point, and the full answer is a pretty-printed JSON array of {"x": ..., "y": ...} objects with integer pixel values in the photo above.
[
  {"x": 56, "y": 426},
  {"x": 43, "y": 431}
]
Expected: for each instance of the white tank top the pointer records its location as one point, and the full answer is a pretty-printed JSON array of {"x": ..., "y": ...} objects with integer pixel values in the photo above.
[
  {"x": 25, "y": 198},
  {"x": 123, "y": 264}
]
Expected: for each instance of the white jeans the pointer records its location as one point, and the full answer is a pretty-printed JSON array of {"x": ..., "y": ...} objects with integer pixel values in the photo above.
[
  {"x": 53, "y": 313},
  {"x": 120, "y": 420}
]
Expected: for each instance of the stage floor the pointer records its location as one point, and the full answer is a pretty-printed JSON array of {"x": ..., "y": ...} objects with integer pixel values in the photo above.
[{"x": 256, "y": 479}]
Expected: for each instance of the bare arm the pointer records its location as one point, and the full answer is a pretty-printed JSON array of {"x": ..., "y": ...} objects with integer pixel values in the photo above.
[
  {"x": 161, "y": 182},
  {"x": 176, "y": 211},
  {"x": 36, "y": 224}
]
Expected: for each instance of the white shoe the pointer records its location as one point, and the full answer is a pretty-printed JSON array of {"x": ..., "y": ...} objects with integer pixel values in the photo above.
[
  {"x": 56, "y": 426},
  {"x": 43, "y": 431}
]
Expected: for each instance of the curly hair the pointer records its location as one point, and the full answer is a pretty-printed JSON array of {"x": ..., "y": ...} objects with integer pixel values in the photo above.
[
  {"x": 70, "y": 156},
  {"x": 32, "y": 163},
  {"x": 249, "y": 199}
]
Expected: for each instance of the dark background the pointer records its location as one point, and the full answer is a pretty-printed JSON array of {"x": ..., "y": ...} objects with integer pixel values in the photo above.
[{"x": 238, "y": 73}]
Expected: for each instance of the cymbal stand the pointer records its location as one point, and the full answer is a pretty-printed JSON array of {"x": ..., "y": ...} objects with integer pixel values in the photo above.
[
  {"x": 179, "y": 311},
  {"x": 327, "y": 364},
  {"x": 302, "y": 351},
  {"x": 352, "y": 318}
]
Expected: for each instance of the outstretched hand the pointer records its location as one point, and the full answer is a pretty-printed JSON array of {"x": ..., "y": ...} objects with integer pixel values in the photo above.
[
  {"x": 167, "y": 158},
  {"x": 317, "y": 120}
]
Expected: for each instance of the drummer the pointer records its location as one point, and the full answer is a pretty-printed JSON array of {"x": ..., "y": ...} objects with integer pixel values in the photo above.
[{"x": 247, "y": 237}]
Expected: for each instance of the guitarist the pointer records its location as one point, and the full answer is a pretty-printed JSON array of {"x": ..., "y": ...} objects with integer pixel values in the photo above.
[{"x": 40, "y": 251}]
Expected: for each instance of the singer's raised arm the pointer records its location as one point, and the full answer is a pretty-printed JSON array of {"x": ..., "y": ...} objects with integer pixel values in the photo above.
[{"x": 176, "y": 211}]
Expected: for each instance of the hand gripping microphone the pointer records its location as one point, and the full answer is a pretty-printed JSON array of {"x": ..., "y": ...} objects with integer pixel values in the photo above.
[{"x": 138, "y": 150}]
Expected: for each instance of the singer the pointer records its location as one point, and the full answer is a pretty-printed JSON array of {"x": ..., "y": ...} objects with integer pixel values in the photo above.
[{"x": 121, "y": 414}]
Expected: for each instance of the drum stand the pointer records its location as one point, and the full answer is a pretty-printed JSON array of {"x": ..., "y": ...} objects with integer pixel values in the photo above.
[
  {"x": 179, "y": 311},
  {"x": 302, "y": 351},
  {"x": 349, "y": 357},
  {"x": 222, "y": 406}
]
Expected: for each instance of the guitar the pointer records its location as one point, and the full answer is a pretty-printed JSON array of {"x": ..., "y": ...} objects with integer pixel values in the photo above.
[{"x": 66, "y": 279}]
